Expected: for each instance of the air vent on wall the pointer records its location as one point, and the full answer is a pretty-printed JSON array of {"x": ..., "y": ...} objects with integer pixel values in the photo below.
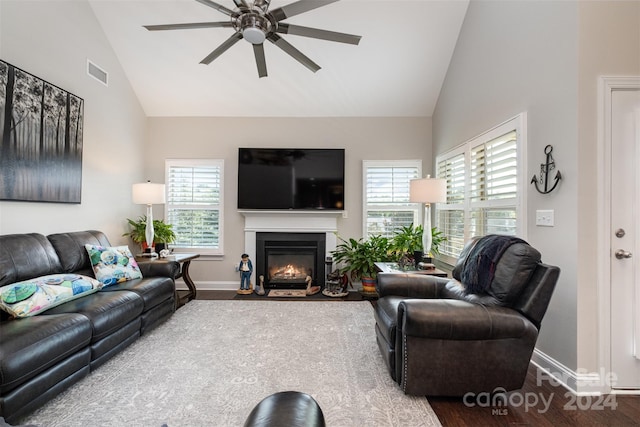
[{"x": 97, "y": 73}]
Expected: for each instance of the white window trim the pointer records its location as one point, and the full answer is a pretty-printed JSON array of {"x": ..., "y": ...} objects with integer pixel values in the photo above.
[
  {"x": 517, "y": 123},
  {"x": 387, "y": 163},
  {"x": 202, "y": 162}
]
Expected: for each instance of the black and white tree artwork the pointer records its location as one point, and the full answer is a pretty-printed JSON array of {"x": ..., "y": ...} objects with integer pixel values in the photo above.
[{"x": 41, "y": 147}]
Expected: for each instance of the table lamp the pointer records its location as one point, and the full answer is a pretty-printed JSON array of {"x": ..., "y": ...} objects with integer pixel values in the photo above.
[
  {"x": 427, "y": 190},
  {"x": 148, "y": 193}
]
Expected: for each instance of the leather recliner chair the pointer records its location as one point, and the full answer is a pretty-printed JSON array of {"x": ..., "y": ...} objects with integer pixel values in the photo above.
[{"x": 473, "y": 333}]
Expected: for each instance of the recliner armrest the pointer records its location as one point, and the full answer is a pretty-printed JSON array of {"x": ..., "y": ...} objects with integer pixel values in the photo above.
[
  {"x": 460, "y": 320},
  {"x": 160, "y": 269},
  {"x": 410, "y": 285}
]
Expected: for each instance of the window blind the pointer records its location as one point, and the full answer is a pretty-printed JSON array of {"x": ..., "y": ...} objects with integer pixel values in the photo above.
[
  {"x": 484, "y": 182},
  {"x": 386, "y": 194},
  {"x": 194, "y": 203}
]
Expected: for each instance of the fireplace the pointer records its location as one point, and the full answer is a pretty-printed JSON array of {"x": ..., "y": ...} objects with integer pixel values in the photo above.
[{"x": 287, "y": 259}]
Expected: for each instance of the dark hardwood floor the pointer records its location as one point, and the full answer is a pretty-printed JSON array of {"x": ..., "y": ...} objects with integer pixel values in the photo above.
[{"x": 538, "y": 403}]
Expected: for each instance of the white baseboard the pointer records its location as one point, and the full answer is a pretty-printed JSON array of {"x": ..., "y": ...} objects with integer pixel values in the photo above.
[
  {"x": 216, "y": 286},
  {"x": 210, "y": 286},
  {"x": 580, "y": 382}
]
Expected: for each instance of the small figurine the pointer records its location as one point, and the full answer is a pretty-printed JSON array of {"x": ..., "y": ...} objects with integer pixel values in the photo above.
[
  {"x": 311, "y": 290},
  {"x": 246, "y": 269},
  {"x": 260, "y": 286}
]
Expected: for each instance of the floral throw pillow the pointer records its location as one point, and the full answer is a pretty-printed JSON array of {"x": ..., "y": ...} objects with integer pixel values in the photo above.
[
  {"x": 31, "y": 297},
  {"x": 113, "y": 265}
]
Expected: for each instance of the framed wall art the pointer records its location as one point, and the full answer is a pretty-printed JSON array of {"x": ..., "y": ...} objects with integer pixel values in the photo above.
[{"x": 41, "y": 146}]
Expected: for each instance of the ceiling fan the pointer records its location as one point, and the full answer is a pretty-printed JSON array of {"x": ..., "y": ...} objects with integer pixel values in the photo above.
[{"x": 254, "y": 22}]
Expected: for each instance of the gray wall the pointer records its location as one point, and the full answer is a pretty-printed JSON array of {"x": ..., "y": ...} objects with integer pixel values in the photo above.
[
  {"x": 514, "y": 57},
  {"x": 545, "y": 58},
  {"x": 362, "y": 138},
  {"x": 52, "y": 40}
]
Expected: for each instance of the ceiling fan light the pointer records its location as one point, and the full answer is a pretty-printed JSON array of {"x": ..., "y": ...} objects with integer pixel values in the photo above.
[{"x": 253, "y": 35}]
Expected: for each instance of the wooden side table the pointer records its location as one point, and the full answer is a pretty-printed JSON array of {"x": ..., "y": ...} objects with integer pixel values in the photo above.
[
  {"x": 182, "y": 297},
  {"x": 393, "y": 267}
]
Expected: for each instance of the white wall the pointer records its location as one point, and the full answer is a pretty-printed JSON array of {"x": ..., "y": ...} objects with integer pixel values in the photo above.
[
  {"x": 609, "y": 45},
  {"x": 522, "y": 56},
  {"x": 363, "y": 138},
  {"x": 52, "y": 40}
]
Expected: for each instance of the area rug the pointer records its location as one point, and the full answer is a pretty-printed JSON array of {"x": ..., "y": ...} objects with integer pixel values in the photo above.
[
  {"x": 213, "y": 361},
  {"x": 287, "y": 293}
]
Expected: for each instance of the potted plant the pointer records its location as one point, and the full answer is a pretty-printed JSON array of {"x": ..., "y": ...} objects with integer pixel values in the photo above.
[
  {"x": 436, "y": 240},
  {"x": 407, "y": 244},
  {"x": 162, "y": 232},
  {"x": 358, "y": 258},
  {"x": 137, "y": 233}
]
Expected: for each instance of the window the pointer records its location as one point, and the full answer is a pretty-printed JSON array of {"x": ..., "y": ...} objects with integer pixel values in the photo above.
[
  {"x": 195, "y": 204},
  {"x": 386, "y": 196},
  {"x": 485, "y": 178}
]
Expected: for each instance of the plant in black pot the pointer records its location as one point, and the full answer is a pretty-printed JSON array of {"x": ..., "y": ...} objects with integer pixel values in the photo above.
[
  {"x": 163, "y": 234},
  {"x": 406, "y": 244}
]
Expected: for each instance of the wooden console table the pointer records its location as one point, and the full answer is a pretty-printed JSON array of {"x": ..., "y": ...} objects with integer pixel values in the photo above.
[{"x": 182, "y": 297}]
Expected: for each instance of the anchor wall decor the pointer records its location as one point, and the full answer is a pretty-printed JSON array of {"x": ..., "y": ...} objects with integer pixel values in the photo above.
[{"x": 545, "y": 169}]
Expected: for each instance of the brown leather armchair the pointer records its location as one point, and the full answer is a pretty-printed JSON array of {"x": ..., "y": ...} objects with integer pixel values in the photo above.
[{"x": 473, "y": 333}]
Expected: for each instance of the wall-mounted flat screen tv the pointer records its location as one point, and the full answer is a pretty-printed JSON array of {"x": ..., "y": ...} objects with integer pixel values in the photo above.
[{"x": 296, "y": 178}]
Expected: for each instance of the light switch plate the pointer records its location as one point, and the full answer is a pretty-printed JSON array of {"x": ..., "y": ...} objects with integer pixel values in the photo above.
[{"x": 544, "y": 218}]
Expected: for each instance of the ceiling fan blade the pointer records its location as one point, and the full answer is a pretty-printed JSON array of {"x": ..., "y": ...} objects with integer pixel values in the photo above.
[
  {"x": 297, "y": 8},
  {"x": 216, "y": 6},
  {"x": 241, "y": 4},
  {"x": 318, "y": 34},
  {"x": 258, "y": 51},
  {"x": 295, "y": 53},
  {"x": 222, "y": 48},
  {"x": 188, "y": 26}
]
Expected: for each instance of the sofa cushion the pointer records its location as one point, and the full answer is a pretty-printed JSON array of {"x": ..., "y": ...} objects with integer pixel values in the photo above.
[
  {"x": 456, "y": 290},
  {"x": 71, "y": 251},
  {"x": 23, "y": 256},
  {"x": 107, "y": 311},
  {"x": 152, "y": 290},
  {"x": 33, "y": 345},
  {"x": 31, "y": 297},
  {"x": 499, "y": 266},
  {"x": 386, "y": 317},
  {"x": 113, "y": 265},
  {"x": 515, "y": 268}
]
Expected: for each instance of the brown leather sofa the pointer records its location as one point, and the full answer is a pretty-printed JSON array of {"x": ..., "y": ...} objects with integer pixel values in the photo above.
[
  {"x": 41, "y": 356},
  {"x": 439, "y": 339}
]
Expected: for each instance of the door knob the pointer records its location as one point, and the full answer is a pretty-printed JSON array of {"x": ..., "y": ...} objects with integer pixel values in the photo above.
[{"x": 621, "y": 253}]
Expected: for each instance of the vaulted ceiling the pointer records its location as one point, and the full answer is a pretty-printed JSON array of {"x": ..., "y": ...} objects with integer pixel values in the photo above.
[{"x": 397, "y": 69}]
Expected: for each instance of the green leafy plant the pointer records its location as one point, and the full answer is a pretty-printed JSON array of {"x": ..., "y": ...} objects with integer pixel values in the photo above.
[
  {"x": 407, "y": 240},
  {"x": 437, "y": 239},
  {"x": 162, "y": 232},
  {"x": 358, "y": 257}
]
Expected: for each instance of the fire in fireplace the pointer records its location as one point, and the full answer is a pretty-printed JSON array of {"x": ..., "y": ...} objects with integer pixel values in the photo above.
[
  {"x": 287, "y": 259},
  {"x": 289, "y": 267}
]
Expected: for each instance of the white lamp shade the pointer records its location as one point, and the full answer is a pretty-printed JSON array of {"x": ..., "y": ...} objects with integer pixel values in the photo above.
[
  {"x": 148, "y": 193},
  {"x": 428, "y": 190}
]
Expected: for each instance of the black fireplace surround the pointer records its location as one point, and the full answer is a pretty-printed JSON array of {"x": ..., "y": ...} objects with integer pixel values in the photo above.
[{"x": 286, "y": 259}]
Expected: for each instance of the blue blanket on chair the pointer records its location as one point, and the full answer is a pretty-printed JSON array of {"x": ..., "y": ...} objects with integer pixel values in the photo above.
[{"x": 480, "y": 266}]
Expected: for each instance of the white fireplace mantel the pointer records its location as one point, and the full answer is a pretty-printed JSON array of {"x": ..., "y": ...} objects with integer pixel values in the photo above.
[{"x": 290, "y": 222}]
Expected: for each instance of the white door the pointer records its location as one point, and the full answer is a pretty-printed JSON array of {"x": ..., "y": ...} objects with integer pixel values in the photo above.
[{"x": 625, "y": 238}]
